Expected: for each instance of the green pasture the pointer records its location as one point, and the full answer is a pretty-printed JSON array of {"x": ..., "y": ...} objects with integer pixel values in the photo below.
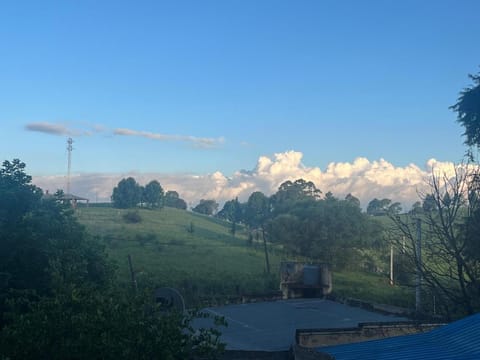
[
  {"x": 372, "y": 288},
  {"x": 208, "y": 264}
]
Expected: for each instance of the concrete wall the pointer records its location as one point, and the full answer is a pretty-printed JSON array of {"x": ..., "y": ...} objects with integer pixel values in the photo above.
[
  {"x": 369, "y": 331},
  {"x": 254, "y": 355}
]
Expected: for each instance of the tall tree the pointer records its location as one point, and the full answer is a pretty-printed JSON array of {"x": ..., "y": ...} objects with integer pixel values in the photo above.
[
  {"x": 153, "y": 194},
  {"x": 329, "y": 230},
  {"x": 127, "y": 194},
  {"x": 47, "y": 245},
  {"x": 231, "y": 211},
  {"x": 18, "y": 199},
  {"x": 172, "y": 199},
  {"x": 290, "y": 192},
  {"x": 416, "y": 208},
  {"x": 206, "y": 207},
  {"x": 448, "y": 262},
  {"x": 395, "y": 208},
  {"x": 352, "y": 200},
  {"x": 257, "y": 213},
  {"x": 378, "y": 207},
  {"x": 468, "y": 111},
  {"x": 17, "y": 194}
]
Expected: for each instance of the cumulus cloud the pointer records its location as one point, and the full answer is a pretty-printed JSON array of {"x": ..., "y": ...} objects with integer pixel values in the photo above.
[
  {"x": 363, "y": 178},
  {"x": 201, "y": 142},
  {"x": 62, "y": 129}
]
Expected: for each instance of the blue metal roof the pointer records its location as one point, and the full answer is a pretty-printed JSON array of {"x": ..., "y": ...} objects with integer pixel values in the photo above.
[{"x": 459, "y": 340}]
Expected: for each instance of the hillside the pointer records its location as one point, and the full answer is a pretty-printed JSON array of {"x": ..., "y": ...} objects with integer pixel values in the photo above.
[
  {"x": 207, "y": 262},
  {"x": 208, "y": 265}
]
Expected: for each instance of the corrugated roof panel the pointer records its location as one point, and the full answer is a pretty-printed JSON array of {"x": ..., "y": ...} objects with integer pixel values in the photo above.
[{"x": 457, "y": 341}]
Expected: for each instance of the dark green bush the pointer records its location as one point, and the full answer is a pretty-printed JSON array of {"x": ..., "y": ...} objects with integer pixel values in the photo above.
[{"x": 132, "y": 217}]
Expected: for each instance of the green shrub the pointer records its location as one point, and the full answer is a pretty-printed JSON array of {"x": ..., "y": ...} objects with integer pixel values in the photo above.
[{"x": 132, "y": 217}]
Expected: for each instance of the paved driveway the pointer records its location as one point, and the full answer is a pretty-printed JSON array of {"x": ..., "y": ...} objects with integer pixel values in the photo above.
[{"x": 270, "y": 326}]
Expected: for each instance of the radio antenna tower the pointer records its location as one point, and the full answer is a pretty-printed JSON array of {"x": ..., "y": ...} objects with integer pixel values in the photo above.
[{"x": 69, "y": 149}]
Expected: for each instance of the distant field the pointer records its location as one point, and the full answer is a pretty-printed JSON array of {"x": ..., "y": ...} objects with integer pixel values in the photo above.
[{"x": 207, "y": 265}]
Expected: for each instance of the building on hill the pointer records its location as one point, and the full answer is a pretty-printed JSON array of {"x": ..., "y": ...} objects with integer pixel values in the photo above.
[{"x": 68, "y": 198}]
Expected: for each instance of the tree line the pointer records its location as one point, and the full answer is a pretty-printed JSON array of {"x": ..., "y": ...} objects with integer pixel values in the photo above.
[
  {"x": 298, "y": 216},
  {"x": 128, "y": 194},
  {"x": 305, "y": 223}
]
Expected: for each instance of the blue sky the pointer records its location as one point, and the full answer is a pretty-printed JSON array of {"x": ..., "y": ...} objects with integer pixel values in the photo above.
[{"x": 334, "y": 80}]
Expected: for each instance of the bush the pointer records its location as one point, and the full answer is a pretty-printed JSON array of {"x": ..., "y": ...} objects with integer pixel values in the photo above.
[
  {"x": 80, "y": 324},
  {"x": 146, "y": 238},
  {"x": 132, "y": 217}
]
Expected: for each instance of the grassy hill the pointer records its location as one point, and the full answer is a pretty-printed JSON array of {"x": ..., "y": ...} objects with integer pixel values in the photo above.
[{"x": 208, "y": 265}]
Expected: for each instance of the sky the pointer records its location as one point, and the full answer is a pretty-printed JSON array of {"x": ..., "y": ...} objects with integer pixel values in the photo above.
[{"x": 223, "y": 98}]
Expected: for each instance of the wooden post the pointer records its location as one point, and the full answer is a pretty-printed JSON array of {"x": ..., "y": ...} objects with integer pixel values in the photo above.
[
  {"x": 267, "y": 262},
  {"x": 418, "y": 298},
  {"x": 132, "y": 274},
  {"x": 391, "y": 265}
]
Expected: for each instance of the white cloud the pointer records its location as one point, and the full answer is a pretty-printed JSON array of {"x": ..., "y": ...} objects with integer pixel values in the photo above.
[
  {"x": 201, "y": 142},
  {"x": 60, "y": 129},
  {"x": 87, "y": 129},
  {"x": 363, "y": 178}
]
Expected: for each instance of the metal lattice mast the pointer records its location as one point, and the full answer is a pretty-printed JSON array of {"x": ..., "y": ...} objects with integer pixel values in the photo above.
[{"x": 69, "y": 149}]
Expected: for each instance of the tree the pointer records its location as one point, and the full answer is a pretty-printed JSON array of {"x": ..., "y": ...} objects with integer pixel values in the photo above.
[
  {"x": 17, "y": 195},
  {"x": 468, "y": 111},
  {"x": 231, "y": 211},
  {"x": 206, "y": 207},
  {"x": 127, "y": 194},
  {"x": 378, "y": 207},
  {"x": 449, "y": 265},
  {"x": 395, "y": 208},
  {"x": 428, "y": 203},
  {"x": 46, "y": 246},
  {"x": 291, "y": 192},
  {"x": 416, "y": 208},
  {"x": 172, "y": 199},
  {"x": 352, "y": 200},
  {"x": 257, "y": 212},
  {"x": 18, "y": 198},
  {"x": 328, "y": 230},
  {"x": 153, "y": 194}
]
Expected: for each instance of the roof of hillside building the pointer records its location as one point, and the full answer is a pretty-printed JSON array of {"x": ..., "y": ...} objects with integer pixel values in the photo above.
[
  {"x": 48, "y": 195},
  {"x": 459, "y": 340},
  {"x": 73, "y": 197}
]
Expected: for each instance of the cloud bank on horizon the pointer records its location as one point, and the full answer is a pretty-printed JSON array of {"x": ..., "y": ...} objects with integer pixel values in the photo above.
[{"x": 362, "y": 178}]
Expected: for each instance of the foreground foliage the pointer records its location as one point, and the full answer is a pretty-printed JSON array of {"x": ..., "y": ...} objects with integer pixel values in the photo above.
[
  {"x": 78, "y": 323},
  {"x": 58, "y": 294},
  {"x": 447, "y": 259}
]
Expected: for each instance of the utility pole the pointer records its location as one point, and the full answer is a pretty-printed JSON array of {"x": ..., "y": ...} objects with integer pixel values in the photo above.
[
  {"x": 267, "y": 261},
  {"x": 391, "y": 265},
  {"x": 132, "y": 273},
  {"x": 69, "y": 149},
  {"x": 418, "y": 286}
]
